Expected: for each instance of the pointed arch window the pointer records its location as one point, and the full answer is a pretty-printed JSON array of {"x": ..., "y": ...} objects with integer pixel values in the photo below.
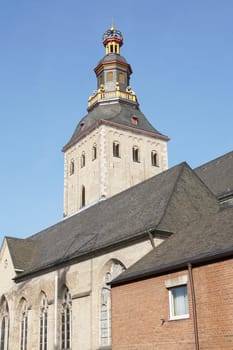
[
  {"x": 4, "y": 325},
  {"x": 83, "y": 160},
  {"x": 105, "y": 309},
  {"x": 154, "y": 158},
  {"x": 116, "y": 149},
  {"x": 24, "y": 326},
  {"x": 43, "y": 322},
  {"x": 135, "y": 154},
  {"x": 94, "y": 152},
  {"x": 66, "y": 320}
]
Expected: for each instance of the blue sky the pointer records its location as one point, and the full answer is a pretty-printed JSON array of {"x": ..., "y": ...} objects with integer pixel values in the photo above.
[{"x": 181, "y": 54}]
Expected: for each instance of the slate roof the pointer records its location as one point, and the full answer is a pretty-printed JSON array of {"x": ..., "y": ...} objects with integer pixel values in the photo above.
[
  {"x": 113, "y": 220},
  {"x": 152, "y": 205},
  {"x": 175, "y": 204},
  {"x": 196, "y": 243},
  {"x": 112, "y": 57},
  {"x": 118, "y": 113},
  {"x": 218, "y": 175},
  {"x": 22, "y": 252}
]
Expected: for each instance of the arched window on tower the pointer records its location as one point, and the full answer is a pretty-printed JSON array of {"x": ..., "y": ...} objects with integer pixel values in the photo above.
[
  {"x": 135, "y": 154},
  {"x": 4, "y": 325},
  {"x": 154, "y": 158},
  {"x": 83, "y": 196},
  {"x": 66, "y": 318},
  {"x": 116, "y": 149},
  {"x": 105, "y": 310},
  {"x": 43, "y": 322},
  {"x": 94, "y": 152},
  {"x": 71, "y": 167},
  {"x": 83, "y": 160},
  {"x": 24, "y": 325}
]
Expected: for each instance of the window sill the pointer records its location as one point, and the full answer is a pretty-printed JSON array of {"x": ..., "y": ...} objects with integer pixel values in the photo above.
[{"x": 177, "y": 318}]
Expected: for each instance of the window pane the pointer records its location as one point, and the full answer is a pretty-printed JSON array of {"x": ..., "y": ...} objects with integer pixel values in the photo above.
[{"x": 180, "y": 301}]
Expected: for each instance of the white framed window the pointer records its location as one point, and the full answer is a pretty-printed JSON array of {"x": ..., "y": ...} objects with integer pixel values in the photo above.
[{"x": 178, "y": 302}]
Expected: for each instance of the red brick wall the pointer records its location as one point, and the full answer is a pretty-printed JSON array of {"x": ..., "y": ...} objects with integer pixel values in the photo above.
[{"x": 138, "y": 307}]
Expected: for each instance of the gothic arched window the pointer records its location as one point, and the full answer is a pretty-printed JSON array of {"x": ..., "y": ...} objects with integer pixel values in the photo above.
[
  {"x": 24, "y": 325},
  {"x": 105, "y": 309},
  {"x": 4, "y": 325},
  {"x": 43, "y": 322},
  {"x": 66, "y": 320}
]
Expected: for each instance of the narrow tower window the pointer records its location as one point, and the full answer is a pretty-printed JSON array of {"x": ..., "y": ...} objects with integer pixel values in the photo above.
[
  {"x": 43, "y": 323},
  {"x": 116, "y": 149},
  {"x": 72, "y": 167},
  {"x": 135, "y": 154},
  {"x": 83, "y": 160},
  {"x": 66, "y": 320},
  {"x": 83, "y": 197},
  {"x": 94, "y": 152},
  {"x": 154, "y": 158}
]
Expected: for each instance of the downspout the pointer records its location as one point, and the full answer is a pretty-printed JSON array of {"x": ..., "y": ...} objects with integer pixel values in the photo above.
[
  {"x": 194, "y": 306},
  {"x": 55, "y": 308}
]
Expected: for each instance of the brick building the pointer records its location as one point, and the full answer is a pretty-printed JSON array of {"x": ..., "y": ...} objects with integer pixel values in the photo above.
[{"x": 180, "y": 295}]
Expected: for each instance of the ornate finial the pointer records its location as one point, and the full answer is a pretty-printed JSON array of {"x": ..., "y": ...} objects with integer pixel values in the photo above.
[{"x": 113, "y": 34}]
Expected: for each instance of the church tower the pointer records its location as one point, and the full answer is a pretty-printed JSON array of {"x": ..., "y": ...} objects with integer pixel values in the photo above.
[{"x": 114, "y": 146}]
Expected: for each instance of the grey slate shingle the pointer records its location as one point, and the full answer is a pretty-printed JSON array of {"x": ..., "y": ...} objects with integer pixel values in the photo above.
[{"x": 218, "y": 174}]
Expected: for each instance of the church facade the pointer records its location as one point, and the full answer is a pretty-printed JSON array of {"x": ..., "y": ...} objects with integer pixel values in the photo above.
[
  {"x": 128, "y": 219},
  {"x": 54, "y": 291}
]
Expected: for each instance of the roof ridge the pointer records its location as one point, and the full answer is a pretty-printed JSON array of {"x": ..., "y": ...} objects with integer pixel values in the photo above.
[
  {"x": 214, "y": 160},
  {"x": 182, "y": 166}
]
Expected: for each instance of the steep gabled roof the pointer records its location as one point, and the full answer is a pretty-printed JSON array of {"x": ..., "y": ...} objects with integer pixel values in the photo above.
[
  {"x": 161, "y": 204},
  {"x": 199, "y": 242},
  {"x": 218, "y": 175},
  {"x": 22, "y": 252},
  {"x": 110, "y": 222}
]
